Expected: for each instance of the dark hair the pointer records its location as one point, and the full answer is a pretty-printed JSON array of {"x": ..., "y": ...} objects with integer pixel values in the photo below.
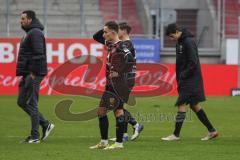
[
  {"x": 125, "y": 26},
  {"x": 30, "y": 14},
  {"x": 112, "y": 25},
  {"x": 172, "y": 28}
]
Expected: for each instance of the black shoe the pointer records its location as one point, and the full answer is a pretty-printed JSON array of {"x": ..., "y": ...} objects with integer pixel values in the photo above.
[
  {"x": 46, "y": 131},
  {"x": 29, "y": 139}
]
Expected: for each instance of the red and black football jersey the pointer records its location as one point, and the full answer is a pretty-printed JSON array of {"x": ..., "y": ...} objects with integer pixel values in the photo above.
[{"x": 120, "y": 59}]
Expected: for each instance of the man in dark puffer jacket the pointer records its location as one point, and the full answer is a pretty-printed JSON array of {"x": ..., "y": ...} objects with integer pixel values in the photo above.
[
  {"x": 189, "y": 81},
  {"x": 32, "y": 66}
]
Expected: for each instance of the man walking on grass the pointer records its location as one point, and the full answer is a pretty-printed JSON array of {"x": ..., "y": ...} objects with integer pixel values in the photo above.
[
  {"x": 32, "y": 66},
  {"x": 189, "y": 81}
]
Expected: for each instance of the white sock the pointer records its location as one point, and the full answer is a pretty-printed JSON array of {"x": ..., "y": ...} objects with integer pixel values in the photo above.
[
  {"x": 125, "y": 135},
  {"x": 136, "y": 125},
  {"x": 105, "y": 141}
]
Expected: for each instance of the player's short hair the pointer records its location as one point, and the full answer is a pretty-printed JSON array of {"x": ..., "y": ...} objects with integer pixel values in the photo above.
[
  {"x": 112, "y": 25},
  {"x": 125, "y": 26},
  {"x": 172, "y": 28},
  {"x": 30, "y": 14}
]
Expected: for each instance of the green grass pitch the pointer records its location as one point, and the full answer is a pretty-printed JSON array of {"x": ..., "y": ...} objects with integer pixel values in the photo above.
[{"x": 71, "y": 140}]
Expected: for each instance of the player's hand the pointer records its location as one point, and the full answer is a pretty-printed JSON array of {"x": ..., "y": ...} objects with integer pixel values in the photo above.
[{"x": 113, "y": 74}]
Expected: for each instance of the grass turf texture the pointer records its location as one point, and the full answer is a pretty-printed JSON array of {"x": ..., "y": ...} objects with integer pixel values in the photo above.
[{"x": 71, "y": 140}]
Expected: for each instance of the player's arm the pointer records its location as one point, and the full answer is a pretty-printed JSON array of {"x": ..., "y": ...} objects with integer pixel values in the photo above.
[
  {"x": 192, "y": 59},
  {"x": 98, "y": 36}
]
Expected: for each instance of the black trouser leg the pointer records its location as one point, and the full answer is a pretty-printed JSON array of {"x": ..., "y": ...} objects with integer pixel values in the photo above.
[{"x": 28, "y": 101}]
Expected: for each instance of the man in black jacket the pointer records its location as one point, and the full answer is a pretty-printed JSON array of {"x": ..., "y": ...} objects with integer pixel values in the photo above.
[
  {"x": 32, "y": 66},
  {"x": 189, "y": 81}
]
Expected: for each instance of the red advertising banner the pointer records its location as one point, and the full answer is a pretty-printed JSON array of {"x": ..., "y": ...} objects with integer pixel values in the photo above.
[
  {"x": 152, "y": 79},
  {"x": 218, "y": 79}
]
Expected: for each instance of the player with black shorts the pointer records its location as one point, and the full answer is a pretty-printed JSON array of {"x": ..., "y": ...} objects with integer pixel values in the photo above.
[
  {"x": 117, "y": 90},
  {"x": 124, "y": 31},
  {"x": 189, "y": 81}
]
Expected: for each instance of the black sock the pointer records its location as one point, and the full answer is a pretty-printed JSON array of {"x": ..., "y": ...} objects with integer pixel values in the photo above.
[
  {"x": 119, "y": 128},
  {"x": 126, "y": 118},
  {"x": 179, "y": 121},
  {"x": 103, "y": 125},
  {"x": 129, "y": 118},
  {"x": 125, "y": 127},
  {"x": 203, "y": 118}
]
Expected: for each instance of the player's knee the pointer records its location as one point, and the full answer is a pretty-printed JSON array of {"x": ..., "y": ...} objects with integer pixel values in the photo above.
[
  {"x": 195, "y": 108},
  {"x": 119, "y": 112},
  {"x": 182, "y": 108},
  {"x": 101, "y": 111}
]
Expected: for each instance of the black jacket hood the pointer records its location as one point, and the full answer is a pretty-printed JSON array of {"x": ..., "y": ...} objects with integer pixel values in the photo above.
[
  {"x": 35, "y": 24},
  {"x": 185, "y": 34}
]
